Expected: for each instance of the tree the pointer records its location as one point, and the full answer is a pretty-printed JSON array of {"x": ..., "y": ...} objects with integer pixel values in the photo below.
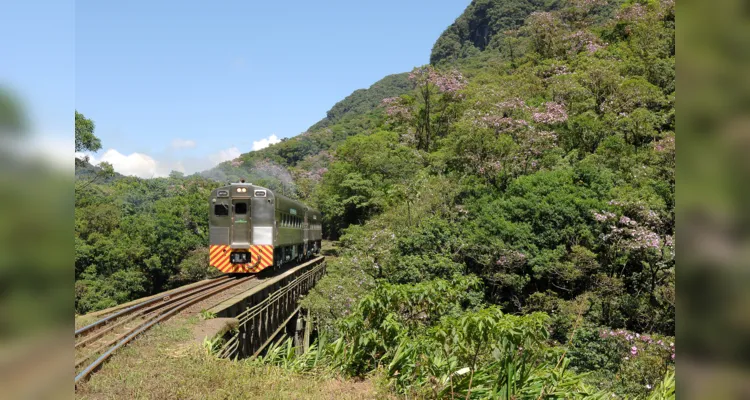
[
  {"x": 87, "y": 141},
  {"x": 432, "y": 111},
  {"x": 85, "y": 138}
]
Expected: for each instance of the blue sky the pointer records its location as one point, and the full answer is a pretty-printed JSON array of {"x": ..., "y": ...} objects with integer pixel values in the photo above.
[
  {"x": 38, "y": 52},
  {"x": 183, "y": 84}
]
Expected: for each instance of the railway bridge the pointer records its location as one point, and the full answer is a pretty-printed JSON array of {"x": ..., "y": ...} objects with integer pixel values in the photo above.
[
  {"x": 269, "y": 311},
  {"x": 266, "y": 310}
]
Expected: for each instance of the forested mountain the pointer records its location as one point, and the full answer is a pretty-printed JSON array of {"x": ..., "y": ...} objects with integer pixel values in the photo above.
[
  {"x": 483, "y": 25},
  {"x": 506, "y": 212},
  {"x": 364, "y": 100}
]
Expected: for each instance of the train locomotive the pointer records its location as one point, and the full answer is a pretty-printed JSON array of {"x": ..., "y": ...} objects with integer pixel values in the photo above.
[{"x": 251, "y": 228}]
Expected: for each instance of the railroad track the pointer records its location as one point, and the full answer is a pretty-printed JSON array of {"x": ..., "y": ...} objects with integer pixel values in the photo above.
[{"x": 99, "y": 340}]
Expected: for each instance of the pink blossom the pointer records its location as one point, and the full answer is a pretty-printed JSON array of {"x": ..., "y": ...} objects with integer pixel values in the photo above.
[
  {"x": 542, "y": 19},
  {"x": 395, "y": 108},
  {"x": 627, "y": 221},
  {"x": 634, "y": 350},
  {"x": 593, "y": 47},
  {"x": 512, "y": 104},
  {"x": 499, "y": 122},
  {"x": 603, "y": 216},
  {"x": 447, "y": 82},
  {"x": 554, "y": 113},
  {"x": 632, "y": 13},
  {"x": 665, "y": 145},
  {"x": 580, "y": 40},
  {"x": 587, "y": 5}
]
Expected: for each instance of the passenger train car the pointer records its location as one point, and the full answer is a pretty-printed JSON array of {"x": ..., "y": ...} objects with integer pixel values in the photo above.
[{"x": 251, "y": 228}]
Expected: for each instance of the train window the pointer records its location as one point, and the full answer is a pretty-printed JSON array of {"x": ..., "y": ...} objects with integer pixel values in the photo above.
[
  {"x": 240, "y": 208},
  {"x": 221, "y": 209}
]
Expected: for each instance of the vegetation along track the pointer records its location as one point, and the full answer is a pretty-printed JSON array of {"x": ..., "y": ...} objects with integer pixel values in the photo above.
[{"x": 99, "y": 340}]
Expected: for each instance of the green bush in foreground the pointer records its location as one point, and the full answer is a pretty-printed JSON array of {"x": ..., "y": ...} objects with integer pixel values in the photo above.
[{"x": 430, "y": 340}]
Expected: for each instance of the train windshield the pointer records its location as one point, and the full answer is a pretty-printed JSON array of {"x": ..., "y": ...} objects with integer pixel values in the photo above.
[
  {"x": 240, "y": 208},
  {"x": 221, "y": 209}
]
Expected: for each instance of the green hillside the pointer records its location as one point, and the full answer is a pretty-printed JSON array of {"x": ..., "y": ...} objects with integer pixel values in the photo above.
[{"x": 364, "y": 100}]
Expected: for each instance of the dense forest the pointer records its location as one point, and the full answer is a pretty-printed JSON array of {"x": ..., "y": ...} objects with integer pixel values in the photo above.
[{"x": 505, "y": 215}]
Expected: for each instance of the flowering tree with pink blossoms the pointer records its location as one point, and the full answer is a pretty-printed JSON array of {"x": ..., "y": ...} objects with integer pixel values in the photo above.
[
  {"x": 639, "y": 239},
  {"x": 433, "y": 109}
]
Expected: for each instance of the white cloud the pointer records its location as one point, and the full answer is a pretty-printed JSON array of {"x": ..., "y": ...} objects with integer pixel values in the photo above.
[
  {"x": 265, "y": 142},
  {"x": 225, "y": 155},
  {"x": 137, "y": 164},
  {"x": 183, "y": 144},
  {"x": 147, "y": 166}
]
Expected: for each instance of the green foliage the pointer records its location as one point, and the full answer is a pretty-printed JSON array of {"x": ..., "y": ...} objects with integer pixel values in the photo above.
[
  {"x": 205, "y": 314},
  {"x": 213, "y": 345},
  {"x": 85, "y": 138},
  {"x": 428, "y": 344},
  {"x": 556, "y": 189},
  {"x": 479, "y": 26},
  {"x": 621, "y": 361},
  {"x": 87, "y": 141},
  {"x": 135, "y": 237},
  {"x": 361, "y": 181}
]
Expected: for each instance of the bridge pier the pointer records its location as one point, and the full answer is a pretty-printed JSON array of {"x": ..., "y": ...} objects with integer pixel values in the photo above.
[{"x": 299, "y": 334}]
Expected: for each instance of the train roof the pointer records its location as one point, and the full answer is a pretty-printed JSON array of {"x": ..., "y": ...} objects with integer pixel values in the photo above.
[{"x": 279, "y": 197}]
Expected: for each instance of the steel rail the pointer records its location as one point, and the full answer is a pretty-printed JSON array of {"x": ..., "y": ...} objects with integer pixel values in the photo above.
[
  {"x": 166, "y": 301},
  {"x": 158, "y": 318},
  {"x": 150, "y": 316},
  {"x": 138, "y": 306}
]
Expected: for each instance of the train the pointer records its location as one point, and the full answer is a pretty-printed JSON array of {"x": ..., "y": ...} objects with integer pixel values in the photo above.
[{"x": 252, "y": 228}]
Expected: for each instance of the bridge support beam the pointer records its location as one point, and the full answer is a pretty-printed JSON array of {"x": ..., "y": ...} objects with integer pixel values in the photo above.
[{"x": 271, "y": 309}]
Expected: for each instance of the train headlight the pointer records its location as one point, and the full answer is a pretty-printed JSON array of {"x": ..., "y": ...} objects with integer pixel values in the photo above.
[{"x": 241, "y": 190}]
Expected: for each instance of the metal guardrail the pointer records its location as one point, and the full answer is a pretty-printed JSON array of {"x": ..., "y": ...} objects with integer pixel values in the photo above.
[{"x": 261, "y": 322}]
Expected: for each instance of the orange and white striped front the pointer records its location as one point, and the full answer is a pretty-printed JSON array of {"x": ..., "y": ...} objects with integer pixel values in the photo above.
[{"x": 219, "y": 258}]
